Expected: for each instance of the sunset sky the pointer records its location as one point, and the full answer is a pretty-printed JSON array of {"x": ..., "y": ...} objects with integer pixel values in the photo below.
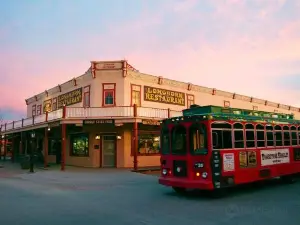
[{"x": 248, "y": 47}]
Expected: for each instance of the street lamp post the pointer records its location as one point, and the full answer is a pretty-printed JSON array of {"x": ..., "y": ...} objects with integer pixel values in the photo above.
[
  {"x": 1, "y": 143},
  {"x": 31, "y": 153}
]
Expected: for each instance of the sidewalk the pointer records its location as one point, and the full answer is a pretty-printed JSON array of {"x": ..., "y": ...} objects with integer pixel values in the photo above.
[{"x": 8, "y": 165}]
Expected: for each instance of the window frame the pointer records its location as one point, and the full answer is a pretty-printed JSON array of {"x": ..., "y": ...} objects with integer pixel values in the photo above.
[
  {"x": 33, "y": 110},
  {"x": 54, "y": 103},
  {"x": 264, "y": 132},
  {"x": 252, "y": 129},
  {"x": 179, "y": 126},
  {"x": 72, "y": 136},
  {"x": 147, "y": 132},
  {"x": 190, "y": 100},
  {"x": 197, "y": 126},
  {"x": 221, "y": 129},
  {"x": 138, "y": 90},
  {"x": 108, "y": 87},
  {"x": 39, "y": 110},
  {"x": 238, "y": 130},
  {"x": 87, "y": 91},
  {"x": 226, "y": 104}
]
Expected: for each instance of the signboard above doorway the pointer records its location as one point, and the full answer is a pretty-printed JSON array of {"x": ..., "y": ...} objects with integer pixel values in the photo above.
[
  {"x": 151, "y": 122},
  {"x": 93, "y": 122}
]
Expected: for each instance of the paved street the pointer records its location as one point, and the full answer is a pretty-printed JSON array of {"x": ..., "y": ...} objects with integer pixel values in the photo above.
[{"x": 122, "y": 197}]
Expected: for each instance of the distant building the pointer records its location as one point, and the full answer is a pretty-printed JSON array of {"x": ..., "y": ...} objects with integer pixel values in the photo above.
[{"x": 93, "y": 120}]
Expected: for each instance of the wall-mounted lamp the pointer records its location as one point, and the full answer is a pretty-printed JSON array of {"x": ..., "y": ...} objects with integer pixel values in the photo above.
[
  {"x": 3, "y": 136},
  {"x": 119, "y": 137},
  {"x": 33, "y": 134},
  {"x": 97, "y": 137},
  {"x": 49, "y": 128}
]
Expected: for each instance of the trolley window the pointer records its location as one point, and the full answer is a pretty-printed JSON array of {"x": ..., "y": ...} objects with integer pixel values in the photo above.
[
  {"x": 222, "y": 135},
  {"x": 165, "y": 142},
  {"x": 178, "y": 146},
  {"x": 198, "y": 139}
]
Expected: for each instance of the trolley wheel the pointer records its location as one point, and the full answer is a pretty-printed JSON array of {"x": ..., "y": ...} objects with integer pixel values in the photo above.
[
  {"x": 289, "y": 179},
  {"x": 179, "y": 190}
]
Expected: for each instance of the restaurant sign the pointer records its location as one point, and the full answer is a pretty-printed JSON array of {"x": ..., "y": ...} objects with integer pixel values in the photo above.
[
  {"x": 92, "y": 122},
  {"x": 164, "y": 96},
  {"x": 69, "y": 98},
  {"x": 151, "y": 122},
  {"x": 47, "y": 105}
]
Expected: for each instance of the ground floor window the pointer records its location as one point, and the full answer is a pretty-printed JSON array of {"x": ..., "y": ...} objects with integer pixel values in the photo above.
[
  {"x": 148, "y": 143},
  {"x": 79, "y": 144}
]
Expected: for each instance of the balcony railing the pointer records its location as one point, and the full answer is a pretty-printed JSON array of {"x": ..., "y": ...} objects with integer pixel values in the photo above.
[{"x": 93, "y": 112}]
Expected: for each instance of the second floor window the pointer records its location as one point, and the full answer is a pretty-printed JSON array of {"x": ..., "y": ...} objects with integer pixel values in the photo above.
[
  {"x": 86, "y": 96},
  {"x": 190, "y": 100},
  {"x": 33, "y": 110},
  {"x": 136, "y": 95},
  {"x": 39, "y": 110},
  {"x": 109, "y": 97},
  {"x": 54, "y": 104}
]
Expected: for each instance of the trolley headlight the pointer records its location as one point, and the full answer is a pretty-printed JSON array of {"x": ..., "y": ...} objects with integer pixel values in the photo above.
[
  {"x": 199, "y": 165},
  {"x": 204, "y": 175},
  {"x": 164, "y": 171}
]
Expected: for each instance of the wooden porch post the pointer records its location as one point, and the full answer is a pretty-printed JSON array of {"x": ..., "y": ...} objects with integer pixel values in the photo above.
[
  {"x": 63, "y": 141},
  {"x": 5, "y": 145},
  {"x": 1, "y": 147},
  {"x": 21, "y": 145},
  {"x": 135, "y": 139},
  {"x": 46, "y": 148},
  {"x": 12, "y": 148}
]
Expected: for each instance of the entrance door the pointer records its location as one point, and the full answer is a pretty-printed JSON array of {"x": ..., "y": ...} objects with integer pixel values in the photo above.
[{"x": 108, "y": 151}]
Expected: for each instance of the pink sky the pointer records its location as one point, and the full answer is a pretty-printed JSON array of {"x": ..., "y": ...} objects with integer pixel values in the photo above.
[{"x": 248, "y": 47}]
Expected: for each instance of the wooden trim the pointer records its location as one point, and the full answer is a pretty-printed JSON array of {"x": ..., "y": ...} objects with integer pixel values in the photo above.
[
  {"x": 131, "y": 90},
  {"x": 103, "y": 94},
  {"x": 214, "y": 91},
  {"x": 160, "y": 80},
  {"x": 74, "y": 81}
]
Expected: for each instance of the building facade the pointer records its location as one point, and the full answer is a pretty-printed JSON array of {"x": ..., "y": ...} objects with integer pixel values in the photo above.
[{"x": 110, "y": 116}]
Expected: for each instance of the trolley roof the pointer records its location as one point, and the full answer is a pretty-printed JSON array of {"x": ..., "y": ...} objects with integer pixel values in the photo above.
[{"x": 222, "y": 113}]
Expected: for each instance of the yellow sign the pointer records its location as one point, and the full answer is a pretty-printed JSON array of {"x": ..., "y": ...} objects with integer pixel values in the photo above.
[
  {"x": 69, "y": 98},
  {"x": 151, "y": 122},
  {"x": 243, "y": 159},
  {"x": 164, "y": 96},
  {"x": 247, "y": 159},
  {"x": 252, "y": 161},
  {"x": 47, "y": 105}
]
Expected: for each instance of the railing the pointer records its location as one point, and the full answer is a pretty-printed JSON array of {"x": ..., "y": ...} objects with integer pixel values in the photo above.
[
  {"x": 106, "y": 112},
  {"x": 94, "y": 112}
]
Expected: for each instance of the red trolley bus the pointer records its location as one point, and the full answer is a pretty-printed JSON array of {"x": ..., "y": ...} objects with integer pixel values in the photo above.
[{"x": 213, "y": 148}]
